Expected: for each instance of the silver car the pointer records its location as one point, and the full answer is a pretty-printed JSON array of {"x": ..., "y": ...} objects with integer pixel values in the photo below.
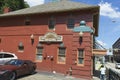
[
  {"x": 6, "y": 56},
  {"x": 117, "y": 65}
]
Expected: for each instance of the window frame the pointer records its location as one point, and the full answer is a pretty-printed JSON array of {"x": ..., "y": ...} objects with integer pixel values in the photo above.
[
  {"x": 39, "y": 54},
  {"x": 61, "y": 55},
  {"x": 69, "y": 24},
  {"x": 27, "y": 21},
  {"x": 80, "y": 57}
]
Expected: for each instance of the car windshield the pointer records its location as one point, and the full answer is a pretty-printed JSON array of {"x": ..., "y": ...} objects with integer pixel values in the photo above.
[{"x": 15, "y": 62}]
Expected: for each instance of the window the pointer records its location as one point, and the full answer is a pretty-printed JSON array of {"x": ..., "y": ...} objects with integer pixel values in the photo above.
[
  {"x": 61, "y": 55},
  {"x": 80, "y": 56},
  {"x": 39, "y": 55},
  {"x": 1, "y": 55},
  {"x": 27, "y": 21},
  {"x": 70, "y": 23},
  {"x": 21, "y": 47},
  {"x": 51, "y": 23},
  {"x": 8, "y": 56}
]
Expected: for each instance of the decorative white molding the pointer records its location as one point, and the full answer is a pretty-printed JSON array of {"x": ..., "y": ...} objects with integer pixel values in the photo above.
[{"x": 51, "y": 37}]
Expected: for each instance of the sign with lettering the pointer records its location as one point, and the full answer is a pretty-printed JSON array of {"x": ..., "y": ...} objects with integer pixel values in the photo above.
[{"x": 51, "y": 37}]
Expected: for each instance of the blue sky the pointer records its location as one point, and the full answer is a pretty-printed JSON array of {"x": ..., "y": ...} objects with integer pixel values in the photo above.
[{"x": 109, "y": 23}]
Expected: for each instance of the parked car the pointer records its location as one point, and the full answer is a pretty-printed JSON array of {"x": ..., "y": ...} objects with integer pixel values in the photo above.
[
  {"x": 6, "y": 56},
  {"x": 16, "y": 68},
  {"x": 117, "y": 65}
]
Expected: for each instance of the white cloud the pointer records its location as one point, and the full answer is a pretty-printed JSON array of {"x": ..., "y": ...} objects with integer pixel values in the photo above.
[
  {"x": 34, "y": 2},
  {"x": 106, "y": 9},
  {"x": 101, "y": 43}
]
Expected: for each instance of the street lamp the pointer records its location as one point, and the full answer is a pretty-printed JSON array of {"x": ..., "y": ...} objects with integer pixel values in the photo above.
[
  {"x": 81, "y": 34},
  {"x": 81, "y": 37},
  {"x": 32, "y": 39}
]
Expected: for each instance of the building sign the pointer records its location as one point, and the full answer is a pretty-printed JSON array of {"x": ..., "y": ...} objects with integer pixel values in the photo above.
[{"x": 51, "y": 37}]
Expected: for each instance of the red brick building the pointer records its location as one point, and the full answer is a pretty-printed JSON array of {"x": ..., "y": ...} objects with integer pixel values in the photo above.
[{"x": 53, "y": 36}]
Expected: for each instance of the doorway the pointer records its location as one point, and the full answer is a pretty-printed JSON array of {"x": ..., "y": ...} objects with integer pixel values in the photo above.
[{"x": 50, "y": 57}]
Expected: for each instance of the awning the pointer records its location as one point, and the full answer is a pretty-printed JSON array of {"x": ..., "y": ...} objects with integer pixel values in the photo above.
[{"x": 99, "y": 52}]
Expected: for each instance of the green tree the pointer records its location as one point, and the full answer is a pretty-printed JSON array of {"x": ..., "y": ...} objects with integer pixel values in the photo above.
[{"x": 13, "y": 4}]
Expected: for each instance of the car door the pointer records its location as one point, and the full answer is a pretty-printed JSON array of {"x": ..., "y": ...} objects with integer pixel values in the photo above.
[{"x": 23, "y": 69}]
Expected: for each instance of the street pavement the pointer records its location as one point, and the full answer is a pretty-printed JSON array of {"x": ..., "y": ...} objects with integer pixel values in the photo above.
[{"x": 50, "y": 76}]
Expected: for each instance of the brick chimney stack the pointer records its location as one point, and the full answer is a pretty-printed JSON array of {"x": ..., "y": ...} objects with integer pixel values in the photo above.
[{"x": 6, "y": 10}]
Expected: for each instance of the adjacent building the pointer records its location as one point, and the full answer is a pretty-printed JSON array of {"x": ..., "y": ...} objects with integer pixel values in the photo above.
[
  {"x": 58, "y": 36},
  {"x": 116, "y": 51}
]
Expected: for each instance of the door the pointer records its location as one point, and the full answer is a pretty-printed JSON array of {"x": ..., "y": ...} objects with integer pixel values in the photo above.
[{"x": 51, "y": 57}]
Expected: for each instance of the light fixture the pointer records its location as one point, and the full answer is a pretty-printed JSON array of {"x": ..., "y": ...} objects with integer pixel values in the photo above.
[
  {"x": 32, "y": 39},
  {"x": 81, "y": 37},
  {"x": 81, "y": 34}
]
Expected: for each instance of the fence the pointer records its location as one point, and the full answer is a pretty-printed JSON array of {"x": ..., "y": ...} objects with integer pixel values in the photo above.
[{"x": 112, "y": 75}]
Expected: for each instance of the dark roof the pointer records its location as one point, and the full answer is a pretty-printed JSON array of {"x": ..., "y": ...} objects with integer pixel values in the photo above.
[{"x": 61, "y": 6}]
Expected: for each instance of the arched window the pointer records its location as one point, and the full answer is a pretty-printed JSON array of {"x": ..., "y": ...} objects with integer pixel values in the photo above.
[{"x": 20, "y": 47}]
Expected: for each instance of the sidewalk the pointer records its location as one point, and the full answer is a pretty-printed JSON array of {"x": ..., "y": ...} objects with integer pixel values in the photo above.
[
  {"x": 96, "y": 78},
  {"x": 51, "y": 76}
]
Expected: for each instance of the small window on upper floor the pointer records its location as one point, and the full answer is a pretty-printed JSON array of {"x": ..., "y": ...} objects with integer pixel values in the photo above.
[
  {"x": 27, "y": 21},
  {"x": 51, "y": 23},
  {"x": 70, "y": 23}
]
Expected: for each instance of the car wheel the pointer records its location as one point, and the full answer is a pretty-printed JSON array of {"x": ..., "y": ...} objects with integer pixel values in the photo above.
[
  {"x": 32, "y": 71},
  {"x": 12, "y": 76}
]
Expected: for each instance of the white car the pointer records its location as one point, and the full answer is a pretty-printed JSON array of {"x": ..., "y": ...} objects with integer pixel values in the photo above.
[
  {"x": 6, "y": 56},
  {"x": 117, "y": 65}
]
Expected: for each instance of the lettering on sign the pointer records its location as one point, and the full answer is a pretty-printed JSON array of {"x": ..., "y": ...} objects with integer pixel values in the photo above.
[{"x": 51, "y": 37}]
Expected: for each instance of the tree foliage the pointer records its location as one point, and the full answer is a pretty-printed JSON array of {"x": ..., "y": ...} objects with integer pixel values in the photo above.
[{"x": 13, "y": 4}]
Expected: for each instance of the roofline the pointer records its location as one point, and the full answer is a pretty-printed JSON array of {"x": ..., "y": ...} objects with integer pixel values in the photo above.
[
  {"x": 92, "y": 7},
  {"x": 116, "y": 42}
]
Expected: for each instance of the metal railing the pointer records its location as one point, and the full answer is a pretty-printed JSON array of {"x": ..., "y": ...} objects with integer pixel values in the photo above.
[{"x": 113, "y": 75}]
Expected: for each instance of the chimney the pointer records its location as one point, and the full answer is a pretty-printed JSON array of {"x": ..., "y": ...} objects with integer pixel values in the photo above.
[{"x": 6, "y": 10}]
